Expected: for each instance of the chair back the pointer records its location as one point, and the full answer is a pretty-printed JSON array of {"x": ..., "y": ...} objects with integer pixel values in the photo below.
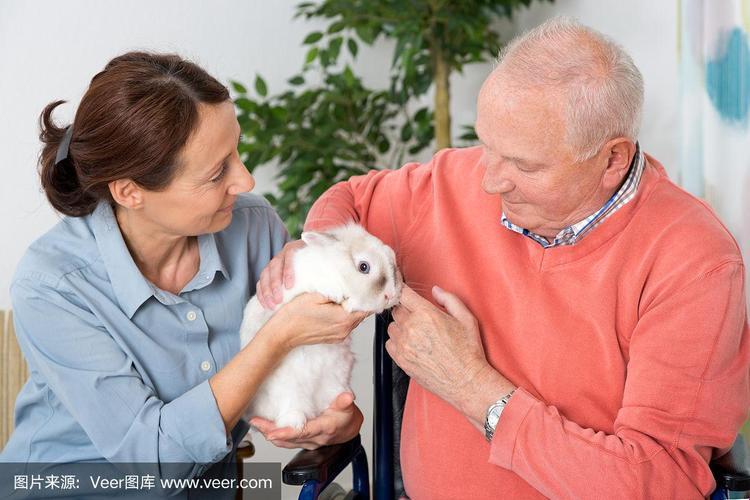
[
  {"x": 732, "y": 472},
  {"x": 391, "y": 384},
  {"x": 13, "y": 374}
]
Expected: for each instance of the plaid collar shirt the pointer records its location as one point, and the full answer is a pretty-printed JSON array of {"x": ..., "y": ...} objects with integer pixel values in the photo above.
[{"x": 571, "y": 234}]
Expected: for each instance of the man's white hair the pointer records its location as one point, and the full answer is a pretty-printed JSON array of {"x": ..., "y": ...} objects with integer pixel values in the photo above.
[{"x": 603, "y": 86}]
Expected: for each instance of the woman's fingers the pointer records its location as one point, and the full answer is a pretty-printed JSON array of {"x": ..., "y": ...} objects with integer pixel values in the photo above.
[
  {"x": 262, "y": 424},
  {"x": 327, "y": 424},
  {"x": 358, "y": 317},
  {"x": 337, "y": 424},
  {"x": 311, "y": 318},
  {"x": 307, "y": 445},
  {"x": 343, "y": 402},
  {"x": 279, "y": 272},
  {"x": 274, "y": 279},
  {"x": 313, "y": 429},
  {"x": 263, "y": 290},
  {"x": 285, "y": 275},
  {"x": 270, "y": 279}
]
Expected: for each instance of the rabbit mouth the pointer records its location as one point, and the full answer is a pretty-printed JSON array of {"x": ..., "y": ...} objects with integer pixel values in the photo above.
[{"x": 393, "y": 301}]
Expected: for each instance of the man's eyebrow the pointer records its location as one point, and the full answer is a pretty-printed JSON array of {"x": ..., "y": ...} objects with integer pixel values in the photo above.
[
  {"x": 523, "y": 161},
  {"x": 526, "y": 162},
  {"x": 517, "y": 160}
]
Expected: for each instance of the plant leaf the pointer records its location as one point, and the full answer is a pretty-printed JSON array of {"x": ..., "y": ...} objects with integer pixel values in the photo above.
[
  {"x": 297, "y": 80},
  {"x": 351, "y": 44},
  {"x": 336, "y": 27},
  {"x": 312, "y": 38},
  {"x": 311, "y": 55},
  {"x": 238, "y": 87},
  {"x": 260, "y": 86}
]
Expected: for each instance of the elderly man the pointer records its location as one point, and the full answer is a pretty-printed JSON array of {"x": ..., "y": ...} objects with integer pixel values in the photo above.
[{"x": 594, "y": 342}]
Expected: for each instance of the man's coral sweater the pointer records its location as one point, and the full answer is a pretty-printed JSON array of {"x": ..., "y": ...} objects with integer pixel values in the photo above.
[{"x": 630, "y": 348}]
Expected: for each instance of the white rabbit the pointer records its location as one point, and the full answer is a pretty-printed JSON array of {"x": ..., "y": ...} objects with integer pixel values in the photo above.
[{"x": 349, "y": 266}]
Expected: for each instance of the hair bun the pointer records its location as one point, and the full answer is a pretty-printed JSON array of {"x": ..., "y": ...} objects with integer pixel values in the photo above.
[
  {"x": 64, "y": 189},
  {"x": 59, "y": 178}
]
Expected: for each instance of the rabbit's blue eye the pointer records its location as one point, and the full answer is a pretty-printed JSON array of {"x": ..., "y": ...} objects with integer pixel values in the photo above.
[{"x": 363, "y": 267}]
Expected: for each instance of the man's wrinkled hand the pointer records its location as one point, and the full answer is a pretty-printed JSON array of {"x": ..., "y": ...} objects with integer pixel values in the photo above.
[{"x": 439, "y": 349}]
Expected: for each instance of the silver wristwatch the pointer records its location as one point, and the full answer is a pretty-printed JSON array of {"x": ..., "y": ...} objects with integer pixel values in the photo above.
[{"x": 493, "y": 415}]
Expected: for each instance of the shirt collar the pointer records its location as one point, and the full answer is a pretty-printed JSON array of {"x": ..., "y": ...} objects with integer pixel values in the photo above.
[
  {"x": 128, "y": 283},
  {"x": 211, "y": 263},
  {"x": 572, "y": 233}
]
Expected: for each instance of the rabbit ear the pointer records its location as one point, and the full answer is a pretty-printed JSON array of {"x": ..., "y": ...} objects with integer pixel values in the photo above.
[{"x": 317, "y": 238}]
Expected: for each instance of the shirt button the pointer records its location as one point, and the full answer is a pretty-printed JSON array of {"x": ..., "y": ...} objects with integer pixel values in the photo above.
[
  {"x": 191, "y": 316},
  {"x": 205, "y": 366}
]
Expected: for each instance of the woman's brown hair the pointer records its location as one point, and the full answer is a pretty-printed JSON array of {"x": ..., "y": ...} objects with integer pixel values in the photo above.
[{"x": 132, "y": 122}]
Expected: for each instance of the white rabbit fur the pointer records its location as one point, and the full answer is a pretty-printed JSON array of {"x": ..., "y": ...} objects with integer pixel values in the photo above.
[{"x": 311, "y": 376}]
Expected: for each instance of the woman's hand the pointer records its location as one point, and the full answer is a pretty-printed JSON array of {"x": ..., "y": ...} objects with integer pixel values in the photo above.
[
  {"x": 279, "y": 271},
  {"x": 310, "y": 318},
  {"x": 338, "y": 424}
]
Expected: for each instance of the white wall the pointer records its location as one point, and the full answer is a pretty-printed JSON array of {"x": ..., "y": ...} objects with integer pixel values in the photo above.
[{"x": 50, "y": 49}]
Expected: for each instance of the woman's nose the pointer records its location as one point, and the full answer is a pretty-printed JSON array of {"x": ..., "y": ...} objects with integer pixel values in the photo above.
[{"x": 243, "y": 181}]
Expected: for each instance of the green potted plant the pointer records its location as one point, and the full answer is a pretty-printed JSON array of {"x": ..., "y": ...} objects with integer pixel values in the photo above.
[{"x": 322, "y": 133}]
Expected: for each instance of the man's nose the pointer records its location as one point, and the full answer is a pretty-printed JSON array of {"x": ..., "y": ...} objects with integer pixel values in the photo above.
[{"x": 496, "y": 180}]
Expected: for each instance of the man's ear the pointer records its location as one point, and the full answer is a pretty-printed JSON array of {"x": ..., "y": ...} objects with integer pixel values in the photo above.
[
  {"x": 619, "y": 154},
  {"x": 127, "y": 193}
]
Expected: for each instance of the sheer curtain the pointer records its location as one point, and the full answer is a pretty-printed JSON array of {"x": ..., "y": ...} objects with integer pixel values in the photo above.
[{"x": 715, "y": 106}]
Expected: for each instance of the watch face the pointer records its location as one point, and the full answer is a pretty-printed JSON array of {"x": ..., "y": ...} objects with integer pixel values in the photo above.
[
  {"x": 491, "y": 423},
  {"x": 493, "y": 417}
]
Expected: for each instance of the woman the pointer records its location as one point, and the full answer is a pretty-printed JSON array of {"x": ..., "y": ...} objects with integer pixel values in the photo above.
[{"x": 128, "y": 310}]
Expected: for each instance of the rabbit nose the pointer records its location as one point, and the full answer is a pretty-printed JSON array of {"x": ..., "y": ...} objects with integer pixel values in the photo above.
[{"x": 387, "y": 297}]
